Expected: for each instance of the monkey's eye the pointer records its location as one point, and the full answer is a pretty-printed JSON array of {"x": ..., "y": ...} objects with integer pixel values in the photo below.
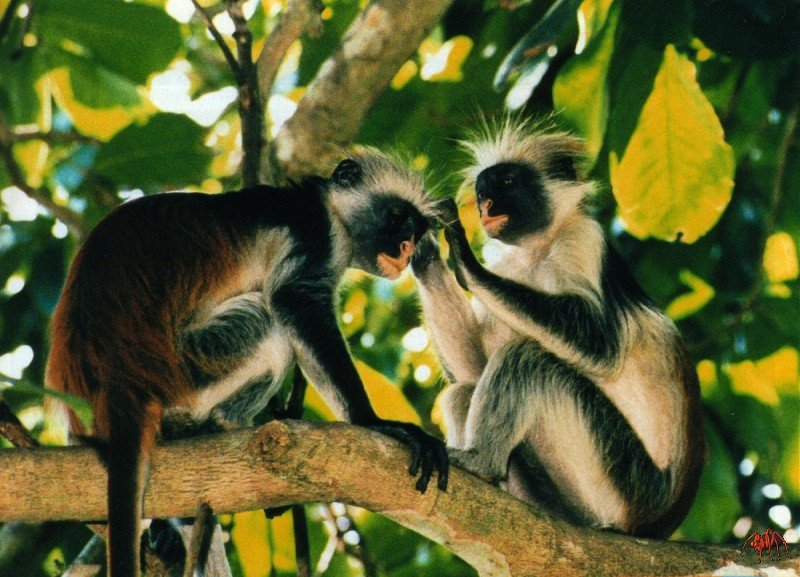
[
  {"x": 506, "y": 181},
  {"x": 396, "y": 217}
]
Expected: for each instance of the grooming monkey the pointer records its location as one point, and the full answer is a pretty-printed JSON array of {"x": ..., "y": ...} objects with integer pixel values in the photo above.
[
  {"x": 568, "y": 383},
  {"x": 196, "y": 303}
]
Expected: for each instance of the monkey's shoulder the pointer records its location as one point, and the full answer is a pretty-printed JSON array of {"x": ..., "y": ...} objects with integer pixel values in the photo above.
[{"x": 167, "y": 218}]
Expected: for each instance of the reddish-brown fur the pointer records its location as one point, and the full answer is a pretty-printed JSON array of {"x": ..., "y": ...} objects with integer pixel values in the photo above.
[{"x": 114, "y": 329}]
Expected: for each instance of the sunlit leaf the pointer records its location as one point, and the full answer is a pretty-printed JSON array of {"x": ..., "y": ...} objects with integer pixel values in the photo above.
[
  {"x": 407, "y": 71},
  {"x": 32, "y": 156},
  {"x": 707, "y": 375},
  {"x": 282, "y": 530},
  {"x": 778, "y": 372},
  {"x": 780, "y": 258},
  {"x": 131, "y": 39},
  {"x": 353, "y": 312},
  {"x": 781, "y": 369},
  {"x": 580, "y": 93},
  {"x": 386, "y": 398},
  {"x": 445, "y": 64},
  {"x": 100, "y": 123},
  {"x": 249, "y": 536},
  {"x": 687, "y": 304},
  {"x": 676, "y": 175}
]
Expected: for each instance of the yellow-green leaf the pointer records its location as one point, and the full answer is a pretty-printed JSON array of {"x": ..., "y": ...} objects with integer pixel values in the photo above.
[
  {"x": 676, "y": 176},
  {"x": 445, "y": 64},
  {"x": 100, "y": 123},
  {"x": 765, "y": 378},
  {"x": 249, "y": 536},
  {"x": 386, "y": 398},
  {"x": 282, "y": 530},
  {"x": 579, "y": 92},
  {"x": 687, "y": 304},
  {"x": 780, "y": 258}
]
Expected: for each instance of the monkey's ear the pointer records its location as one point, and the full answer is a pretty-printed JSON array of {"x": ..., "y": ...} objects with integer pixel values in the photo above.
[
  {"x": 563, "y": 167},
  {"x": 564, "y": 164},
  {"x": 347, "y": 173}
]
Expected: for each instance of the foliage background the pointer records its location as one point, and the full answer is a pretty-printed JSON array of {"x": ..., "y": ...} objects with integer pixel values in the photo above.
[{"x": 690, "y": 112}]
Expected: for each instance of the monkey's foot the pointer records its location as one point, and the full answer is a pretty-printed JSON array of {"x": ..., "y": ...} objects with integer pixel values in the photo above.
[
  {"x": 473, "y": 462},
  {"x": 427, "y": 453}
]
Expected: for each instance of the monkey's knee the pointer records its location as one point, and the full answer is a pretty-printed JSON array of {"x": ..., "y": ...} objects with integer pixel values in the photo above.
[
  {"x": 455, "y": 403},
  {"x": 473, "y": 461},
  {"x": 220, "y": 344}
]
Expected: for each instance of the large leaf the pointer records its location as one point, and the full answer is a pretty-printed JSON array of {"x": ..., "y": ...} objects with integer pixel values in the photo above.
[
  {"x": 676, "y": 175},
  {"x": 134, "y": 40},
  {"x": 167, "y": 151}
]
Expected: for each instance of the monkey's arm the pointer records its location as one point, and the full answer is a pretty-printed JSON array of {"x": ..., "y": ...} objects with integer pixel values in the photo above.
[
  {"x": 570, "y": 325},
  {"x": 305, "y": 307},
  {"x": 448, "y": 313}
]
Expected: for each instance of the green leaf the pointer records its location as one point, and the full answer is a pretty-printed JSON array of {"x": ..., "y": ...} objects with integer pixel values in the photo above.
[
  {"x": 717, "y": 506},
  {"x": 580, "y": 92},
  {"x": 131, "y": 39},
  {"x": 96, "y": 86},
  {"x": 676, "y": 175},
  {"x": 81, "y": 407},
  {"x": 167, "y": 151},
  {"x": 18, "y": 96}
]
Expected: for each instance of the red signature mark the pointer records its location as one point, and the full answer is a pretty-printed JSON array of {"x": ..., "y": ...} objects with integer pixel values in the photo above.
[{"x": 766, "y": 541}]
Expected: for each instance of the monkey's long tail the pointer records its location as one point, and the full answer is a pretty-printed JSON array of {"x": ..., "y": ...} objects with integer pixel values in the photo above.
[{"x": 131, "y": 440}]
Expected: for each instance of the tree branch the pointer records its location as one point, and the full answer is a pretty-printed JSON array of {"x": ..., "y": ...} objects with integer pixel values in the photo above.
[
  {"x": 299, "y": 17},
  {"x": 250, "y": 111},
  {"x": 72, "y": 219},
  {"x": 12, "y": 430},
  {"x": 215, "y": 34},
  {"x": 348, "y": 83},
  {"x": 294, "y": 461}
]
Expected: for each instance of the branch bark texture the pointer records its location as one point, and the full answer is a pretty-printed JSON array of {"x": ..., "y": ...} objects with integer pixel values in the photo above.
[
  {"x": 292, "y": 462},
  {"x": 384, "y": 35}
]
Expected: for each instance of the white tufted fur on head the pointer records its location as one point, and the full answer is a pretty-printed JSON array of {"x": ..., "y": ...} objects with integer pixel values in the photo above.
[
  {"x": 521, "y": 140},
  {"x": 385, "y": 173},
  {"x": 534, "y": 143}
]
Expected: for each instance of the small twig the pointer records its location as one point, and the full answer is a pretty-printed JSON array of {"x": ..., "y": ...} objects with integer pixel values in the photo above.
[
  {"x": 13, "y": 430},
  {"x": 234, "y": 65},
  {"x": 250, "y": 110},
  {"x": 299, "y": 17},
  {"x": 200, "y": 542},
  {"x": 90, "y": 561},
  {"x": 40, "y": 195},
  {"x": 53, "y": 137}
]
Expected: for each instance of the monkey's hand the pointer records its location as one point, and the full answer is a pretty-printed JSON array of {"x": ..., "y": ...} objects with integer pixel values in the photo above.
[
  {"x": 464, "y": 262},
  {"x": 472, "y": 462},
  {"x": 427, "y": 453},
  {"x": 426, "y": 253}
]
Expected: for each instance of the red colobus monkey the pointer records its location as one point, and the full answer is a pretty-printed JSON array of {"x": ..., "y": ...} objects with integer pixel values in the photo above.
[
  {"x": 568, "y": 384},
  {"x": 197, "y": 303}
]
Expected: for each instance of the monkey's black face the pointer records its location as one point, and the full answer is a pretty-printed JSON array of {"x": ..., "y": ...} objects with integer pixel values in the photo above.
[
  {"x": 385, "y": 233},
  {"x": 512, "y": 201},
  {"x": 384, "y": 226}
]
